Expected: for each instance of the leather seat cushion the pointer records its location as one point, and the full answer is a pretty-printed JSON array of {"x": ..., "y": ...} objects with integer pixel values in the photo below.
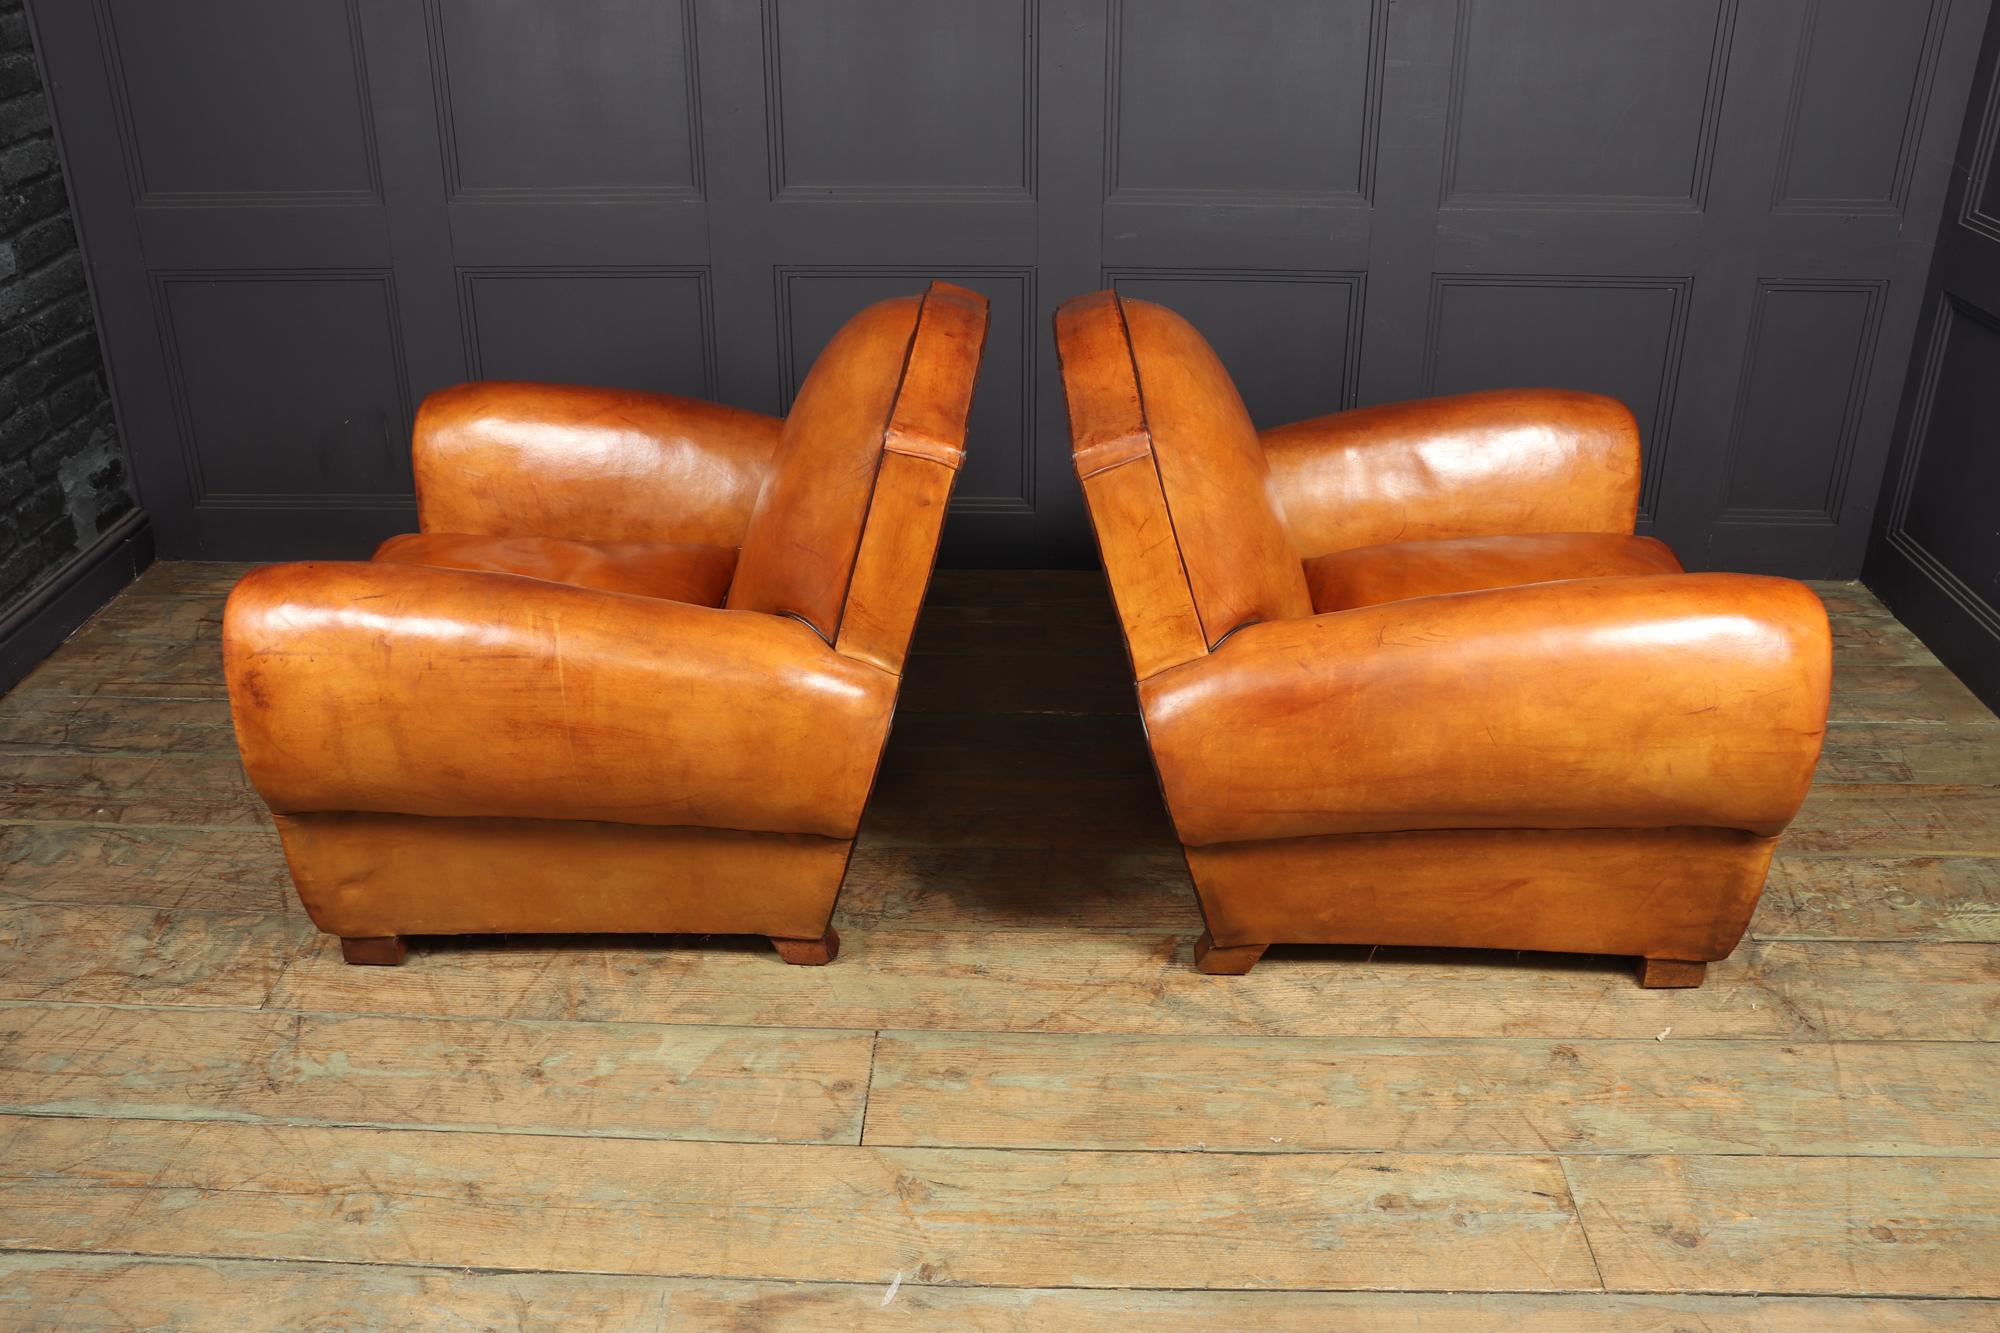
[
  {"x": 672, "y": 571},
  {"x": 1371, "y": 575}
]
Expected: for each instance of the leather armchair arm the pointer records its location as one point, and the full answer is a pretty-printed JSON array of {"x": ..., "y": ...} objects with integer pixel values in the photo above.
[
  {"x": 1638, "y": 702},
  {"x": 504, "y": 459},
  {"x": 1473, "y": 465},
  {"x": 411, "y": 690}
]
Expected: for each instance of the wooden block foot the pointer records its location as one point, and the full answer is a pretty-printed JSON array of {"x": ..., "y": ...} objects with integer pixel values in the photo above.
[
  {"x": 1218, "y": 962},
  {"x": 374, "y": 950},
  {"x": 1670, "y": 973},
  {"x": 809, "y": 953}
]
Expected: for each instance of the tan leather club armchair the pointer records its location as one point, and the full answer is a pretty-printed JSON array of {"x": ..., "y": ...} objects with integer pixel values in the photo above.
[
  {"x": 636, "y": 671},
  {"x": 1409, "y": 678}
]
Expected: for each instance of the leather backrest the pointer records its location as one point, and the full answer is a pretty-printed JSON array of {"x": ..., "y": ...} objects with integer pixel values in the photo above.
[
  {"x": 921, "y": 455},
  {"x": 828, "y": 484},
  {"x": 799, "y": 550},
  {"x": 1213, "y": 481},
  {"x": 1113, "y": 455}
]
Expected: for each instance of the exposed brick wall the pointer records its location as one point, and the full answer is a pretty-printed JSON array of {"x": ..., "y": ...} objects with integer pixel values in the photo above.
[{"x": 62, "y": 472}]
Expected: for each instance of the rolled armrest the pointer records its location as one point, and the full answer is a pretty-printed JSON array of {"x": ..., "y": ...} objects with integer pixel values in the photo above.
[
  {"x": 505, "y": 459},
  {"x": 1473, "y": 465},
  {"x": 1641, "y": 702},
  {"x": 410, "y": 690}
]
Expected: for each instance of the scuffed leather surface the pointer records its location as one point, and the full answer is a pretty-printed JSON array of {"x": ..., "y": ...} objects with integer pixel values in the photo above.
[
  {"x": 1472, "y": 465},
  {"x": 533, "y": 716},
  {"x": 410, "y": 690},
  {"x": 678, "y": 572},
  {"x": 1113, "y": 456},
  {"x": 1240, "y": 563},
  {"x": 1643, "y": 702},
  {"x": 1370, "y": 575},
  {"x": 922, "y": 452},
  {"x": 1664, "y": 893},
  {"x": 506, "y": 459},
  {"x": 799, "y": 551},
  {"x": 1525, "y": 729},
  {"x": 358, "y": 875}
]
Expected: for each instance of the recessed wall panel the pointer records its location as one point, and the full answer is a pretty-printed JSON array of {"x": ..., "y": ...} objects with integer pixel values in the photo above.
[
  {"x": 1583, "y": 100},
  {"x": 1275, "y": 98},
  {"x": 581, "y": 96},
  {"x": 629, "y": 329},
  {"x": 1948, "y": 506},
  {"x": 1801, "y": 397},
  {"x": 1851, "y": 126},
  {"x": 226, "y": 98},
  {"x": 901, "y": 96},
  {"x": 288, "y": 385},
  {"x": 1980, "y": 208}
]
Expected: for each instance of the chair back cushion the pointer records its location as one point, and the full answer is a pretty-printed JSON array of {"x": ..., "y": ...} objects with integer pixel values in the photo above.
[
  {"x": 846, "y": 528},
  {"x": 1215, "y": 501}
]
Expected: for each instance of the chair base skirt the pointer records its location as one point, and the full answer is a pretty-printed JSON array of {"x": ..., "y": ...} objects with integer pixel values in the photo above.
[
  {"x": 1677, "y": 897},
  {"x": 373, "y": 878}
]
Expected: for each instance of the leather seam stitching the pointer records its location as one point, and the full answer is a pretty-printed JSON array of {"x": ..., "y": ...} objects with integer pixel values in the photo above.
[
  {"x": 868, "y": 511},
  {"x": 1153, "y": 453}
]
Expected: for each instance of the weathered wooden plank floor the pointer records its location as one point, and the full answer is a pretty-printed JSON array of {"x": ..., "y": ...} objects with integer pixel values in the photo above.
[{"x": 1012, "y": 1100}]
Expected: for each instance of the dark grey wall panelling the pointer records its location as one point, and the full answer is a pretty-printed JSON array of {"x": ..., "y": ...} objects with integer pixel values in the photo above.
[
  {"x": 305, "y": 217},
  {"x": 1216, "y": 100},
  {"x": 643, "y": 328},
  {"x": 1799, "y": 407},
  {"x": 537, "y": 102},
  {"x": 255, "y": 354},
  {"x": 254, "y": 101},
  {"x": 1935, "y": 557},
  {"x": 919, "y": 97},
  {"x": 1565, "y": 101}
]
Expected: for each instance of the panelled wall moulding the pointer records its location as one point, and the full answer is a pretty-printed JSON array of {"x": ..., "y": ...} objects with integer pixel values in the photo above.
[
  {"x": 1934, "y": 554},
  {"x": 1973, "y": 211},
  {"x": 605, "y": 329},
  {"x": 1841, "y": 397},
  {"x": 1649, "y": 52},
  {"x": 576, "y": 142},
  {"x": 194, "y": 120},
  {"x": 1841, "y": 91},
  {"x": 1582, "y": 192},
  {"x": 1951, "y": 318},
  {"x": 1272, "y": 63},
  {"x": 292, "y": 358},
  {"x": 861, "y": 142}
]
